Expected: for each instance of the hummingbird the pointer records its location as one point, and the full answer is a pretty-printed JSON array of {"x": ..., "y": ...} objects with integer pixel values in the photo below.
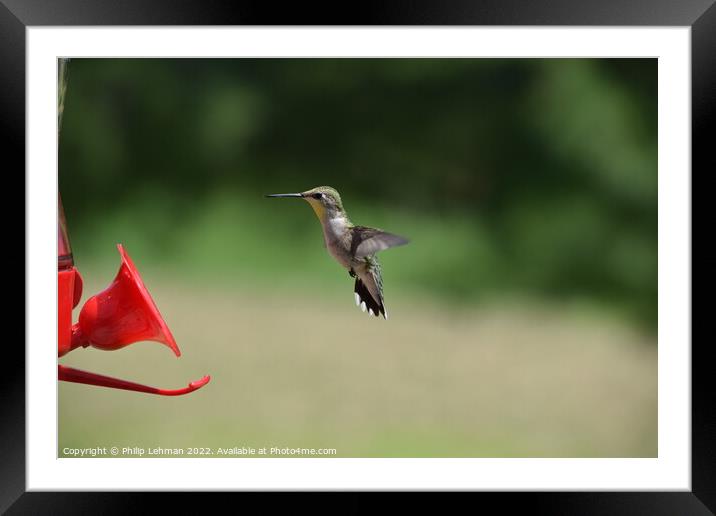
[{"x": 354, "y": 247}]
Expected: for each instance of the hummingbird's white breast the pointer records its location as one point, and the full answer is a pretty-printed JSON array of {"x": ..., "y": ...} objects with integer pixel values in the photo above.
[{"x": 335, "y": 234}]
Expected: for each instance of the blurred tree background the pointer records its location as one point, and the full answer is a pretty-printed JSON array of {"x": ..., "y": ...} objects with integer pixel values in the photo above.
[
  {"x": 534, "y": 176},
  {"x": 516, "y": 179}
]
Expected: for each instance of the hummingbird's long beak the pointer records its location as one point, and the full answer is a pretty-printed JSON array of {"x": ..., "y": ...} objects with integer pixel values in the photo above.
[{"x": 285, "y": 195}]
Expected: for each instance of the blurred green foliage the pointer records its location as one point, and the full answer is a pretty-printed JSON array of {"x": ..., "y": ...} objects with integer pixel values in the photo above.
[{"x": 526, "y": 177}]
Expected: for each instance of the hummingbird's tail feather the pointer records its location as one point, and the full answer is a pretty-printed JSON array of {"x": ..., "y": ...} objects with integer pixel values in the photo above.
[{"x": 366, "y": 301}]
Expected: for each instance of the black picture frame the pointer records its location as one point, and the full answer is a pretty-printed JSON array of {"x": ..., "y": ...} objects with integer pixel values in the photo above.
[{"x": 700, "y": 15}]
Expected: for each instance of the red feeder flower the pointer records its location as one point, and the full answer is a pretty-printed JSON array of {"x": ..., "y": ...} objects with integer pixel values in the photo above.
[{"x": 120, "y": 315}]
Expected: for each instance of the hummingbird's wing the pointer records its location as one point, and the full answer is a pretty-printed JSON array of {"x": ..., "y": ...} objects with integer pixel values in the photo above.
[
  {"x": 369, "y": 289},
  {"x": 368, "y": 241}
]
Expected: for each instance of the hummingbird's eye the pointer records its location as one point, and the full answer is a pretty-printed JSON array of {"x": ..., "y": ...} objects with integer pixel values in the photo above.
[{"x": 318, "y": 196}]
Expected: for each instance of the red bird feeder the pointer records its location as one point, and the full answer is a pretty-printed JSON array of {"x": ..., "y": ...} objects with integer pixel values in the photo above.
[{"x": 118, "y": 316}]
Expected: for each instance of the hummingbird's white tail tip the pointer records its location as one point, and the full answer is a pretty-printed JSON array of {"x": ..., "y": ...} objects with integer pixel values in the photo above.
[{"x": 367, "y": 303}]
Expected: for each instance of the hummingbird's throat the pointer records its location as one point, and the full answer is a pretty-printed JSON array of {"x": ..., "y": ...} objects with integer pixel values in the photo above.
[{"x": 318, "y": 208}]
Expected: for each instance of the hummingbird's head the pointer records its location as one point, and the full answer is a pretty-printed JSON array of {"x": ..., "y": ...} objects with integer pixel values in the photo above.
[{"x": 324, "y": 200}]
